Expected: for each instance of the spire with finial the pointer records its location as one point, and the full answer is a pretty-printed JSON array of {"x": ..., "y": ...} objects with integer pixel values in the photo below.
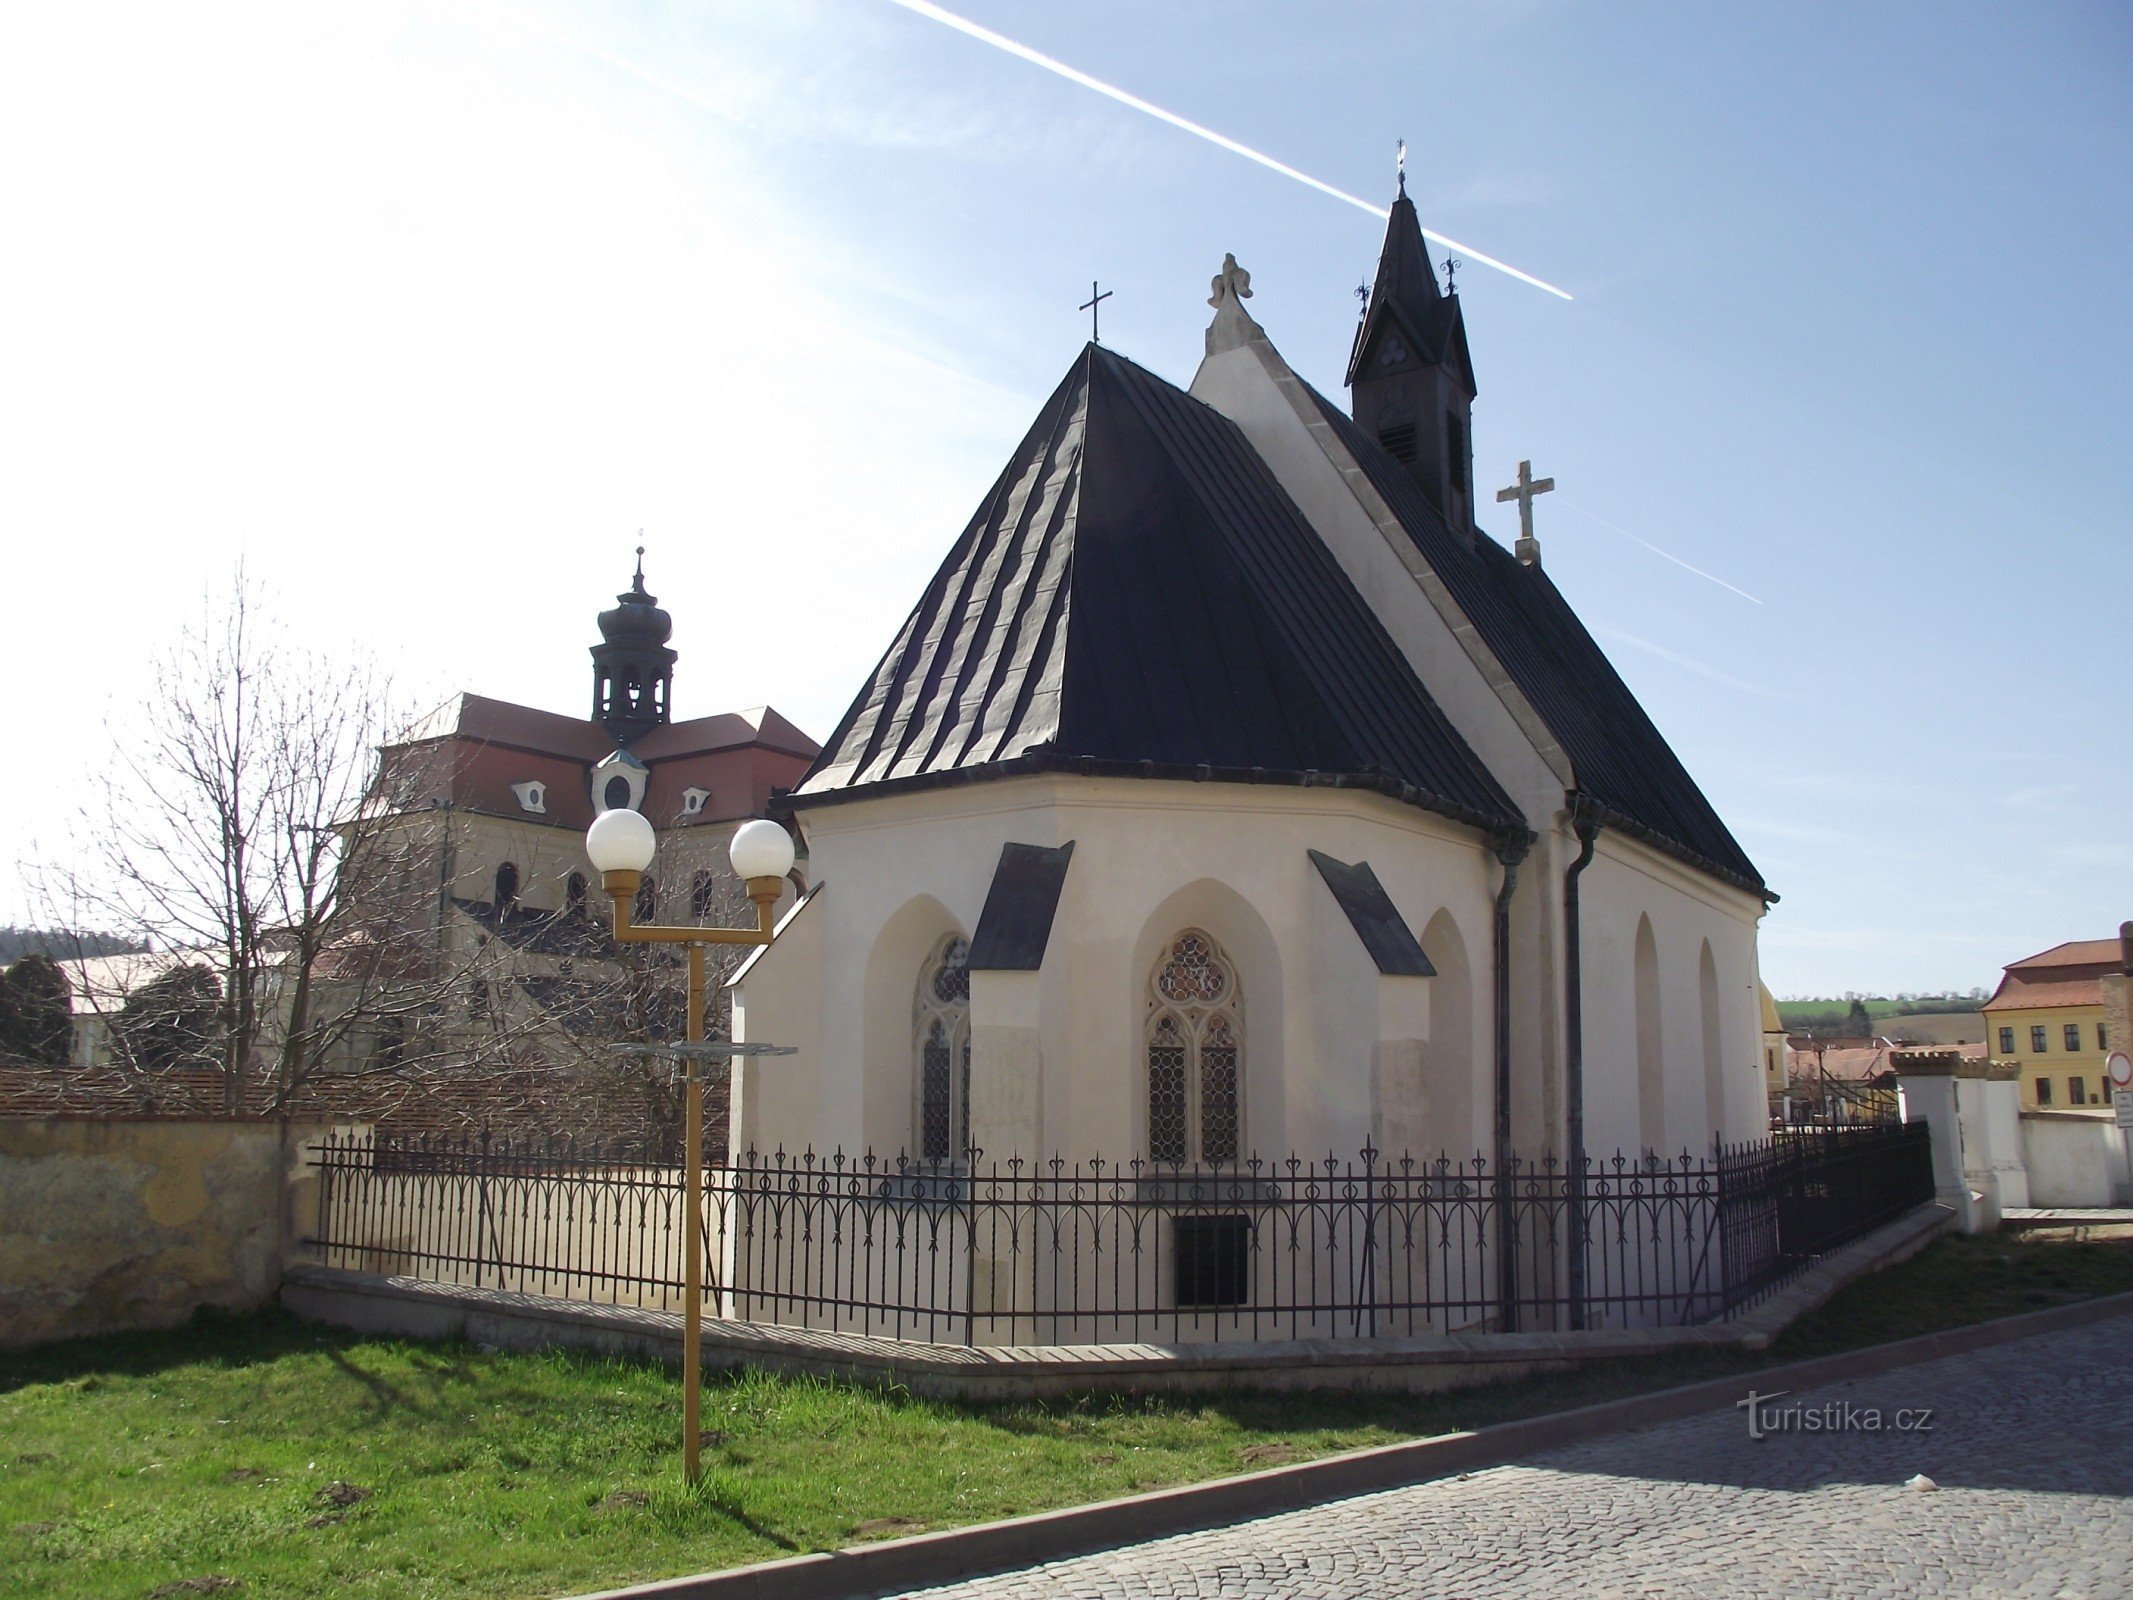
[
  {"x": 1409, "y": 371},
  {"x": 633, "y": 668}
]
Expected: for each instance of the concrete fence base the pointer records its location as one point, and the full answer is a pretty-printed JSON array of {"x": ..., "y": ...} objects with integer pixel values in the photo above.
[{"x": 379, "y": 1304}]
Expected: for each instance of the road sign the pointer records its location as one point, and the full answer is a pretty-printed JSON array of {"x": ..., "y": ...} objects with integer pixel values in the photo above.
[
  {"x": 2120, "y": 1067},
  {"x": 2122, "y": 1103}
]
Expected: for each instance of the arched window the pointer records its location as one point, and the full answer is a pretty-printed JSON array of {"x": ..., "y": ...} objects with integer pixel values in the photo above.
[
  {"x": 506, "y": 887},
  {"x": 646, "y": 908},
  {"x": 703, "y": 894},
  {"x": 941, "y": 1038},
  {"x": 1195, "y": 1044},
  {"x": 574, "y": 894}
]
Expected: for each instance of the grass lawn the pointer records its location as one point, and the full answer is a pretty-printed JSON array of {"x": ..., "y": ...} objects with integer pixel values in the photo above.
[{"x": 267, "y": 1457}]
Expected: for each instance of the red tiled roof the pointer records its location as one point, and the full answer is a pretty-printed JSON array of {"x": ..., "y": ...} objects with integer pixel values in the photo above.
[
  {"x": 2074, "y": 953},
  {"x": 2037, "y": 994},
  {"x": 2065, "y": 975},
  {"x": 499, "y": 722}
]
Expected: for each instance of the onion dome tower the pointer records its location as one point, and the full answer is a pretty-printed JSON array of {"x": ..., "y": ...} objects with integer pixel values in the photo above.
[{"x": 633, "y": 669}]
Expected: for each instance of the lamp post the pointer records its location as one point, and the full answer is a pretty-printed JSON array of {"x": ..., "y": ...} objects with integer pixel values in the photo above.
[{"x": 620, "y": 845}]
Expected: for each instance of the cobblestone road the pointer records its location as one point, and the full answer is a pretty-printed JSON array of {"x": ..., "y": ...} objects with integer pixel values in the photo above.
[{"x": 2031, "y": 1444}]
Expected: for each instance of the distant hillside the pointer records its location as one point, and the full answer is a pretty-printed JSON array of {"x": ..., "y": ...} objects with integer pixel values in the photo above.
[
  {"x": 1840, "y": 1014},
  {"x": 16, "y": 943}
]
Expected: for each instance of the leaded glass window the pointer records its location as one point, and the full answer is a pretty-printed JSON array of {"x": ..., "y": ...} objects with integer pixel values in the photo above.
[
  {"x": 942, "y": 1040},
  {"x": 1195, "y": 1055}
]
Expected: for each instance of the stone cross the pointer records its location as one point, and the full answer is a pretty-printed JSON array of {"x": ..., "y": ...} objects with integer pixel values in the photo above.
[
  {"x": 1094, "y": 307},
  {"x": 1523, "y": 492},
  {"x": 1231, "y": 282}
]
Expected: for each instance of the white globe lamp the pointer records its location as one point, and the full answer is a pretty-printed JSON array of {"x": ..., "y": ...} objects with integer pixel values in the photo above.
[
  {"x": 620, "y": 844},
  {"x": 760, "y": 849}
]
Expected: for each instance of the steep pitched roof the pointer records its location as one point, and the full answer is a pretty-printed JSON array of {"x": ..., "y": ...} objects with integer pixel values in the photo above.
[
  {"x": 1139, "y": 596},
  {"x": 1621, "y": 762}
]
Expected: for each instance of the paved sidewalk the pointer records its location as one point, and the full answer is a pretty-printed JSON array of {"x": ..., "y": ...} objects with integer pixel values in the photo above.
[{"x": 2031, "y": 1443}]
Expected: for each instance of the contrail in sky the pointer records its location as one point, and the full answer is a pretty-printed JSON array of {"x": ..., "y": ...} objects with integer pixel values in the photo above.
[
  {"x": 926, "y": 8},
  {"x": 1572, "y": 505}
]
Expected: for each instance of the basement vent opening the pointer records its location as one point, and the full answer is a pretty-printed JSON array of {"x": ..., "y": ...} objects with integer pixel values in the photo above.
[{"x": 1398, "y": 438}]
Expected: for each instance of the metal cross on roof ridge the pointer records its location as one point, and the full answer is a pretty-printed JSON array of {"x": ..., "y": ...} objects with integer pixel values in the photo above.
[
  {"x": 1523, "y": 492},
  {"x": 1093, "y": 306}
]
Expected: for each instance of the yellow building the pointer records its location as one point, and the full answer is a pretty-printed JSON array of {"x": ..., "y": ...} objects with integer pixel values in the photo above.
[
  {"x": 2047, "y": 1016},
  {"x": 1775, "y": 1047}
]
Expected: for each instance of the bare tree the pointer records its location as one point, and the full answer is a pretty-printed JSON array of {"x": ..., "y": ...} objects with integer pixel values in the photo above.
[{"x": 251, "y": 831}]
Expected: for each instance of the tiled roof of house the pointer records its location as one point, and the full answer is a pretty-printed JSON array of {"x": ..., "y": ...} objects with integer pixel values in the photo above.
[
  {"x": 2074, "y": 953},
  {"x": 2067, "y": 974}
]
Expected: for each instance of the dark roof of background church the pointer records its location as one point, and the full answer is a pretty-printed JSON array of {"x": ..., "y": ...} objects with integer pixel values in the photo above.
[
  {"x": 1139, "y": 596},
  {"x": 1619, "y": 758}
]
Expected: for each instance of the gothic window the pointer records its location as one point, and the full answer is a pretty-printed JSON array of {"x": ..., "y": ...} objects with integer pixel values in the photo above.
[
  {"x": 703, "y": 894},
  {"x": 646, "y": 908},
  {"x": 1454, "y": 451},
  {"x": 1195, "y": 1051},
  {"x": 506, "y": 887},
  {"x": 941, "y": 1035},
  {"x": 574, "y": 894}
]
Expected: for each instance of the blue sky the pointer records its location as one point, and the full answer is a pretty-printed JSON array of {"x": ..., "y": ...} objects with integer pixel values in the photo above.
[{"x": 425, "y": 309}]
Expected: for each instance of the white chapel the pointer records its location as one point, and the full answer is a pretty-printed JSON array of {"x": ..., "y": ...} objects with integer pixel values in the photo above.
[{"x": 1230, "y": 793}]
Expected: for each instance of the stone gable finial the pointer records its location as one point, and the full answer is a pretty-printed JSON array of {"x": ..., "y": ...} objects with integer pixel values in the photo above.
[{"x": 1232, "y": 282}]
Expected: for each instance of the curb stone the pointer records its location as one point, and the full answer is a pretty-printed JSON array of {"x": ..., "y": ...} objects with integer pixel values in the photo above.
[{"x": 928, "y": 1560}]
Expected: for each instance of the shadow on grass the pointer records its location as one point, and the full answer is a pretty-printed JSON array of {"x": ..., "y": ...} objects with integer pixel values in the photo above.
[{"x": 212, "y": 1338}]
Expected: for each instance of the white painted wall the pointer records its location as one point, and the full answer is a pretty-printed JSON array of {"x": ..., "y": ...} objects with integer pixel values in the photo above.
[
  {"x": 2075, "y": 1158},
  {"x": 1331, "y": 1047},
  {"x": 1630, "y": 885}
]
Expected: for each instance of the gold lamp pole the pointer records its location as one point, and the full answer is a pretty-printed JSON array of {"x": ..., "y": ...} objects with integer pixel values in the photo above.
[{"x": 620, "y": 845}]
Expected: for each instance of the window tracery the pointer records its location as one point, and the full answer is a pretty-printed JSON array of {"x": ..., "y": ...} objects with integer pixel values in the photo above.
[
  {"x": 941, "y": 1036},
  {"x": 1194, "y": 1042}
]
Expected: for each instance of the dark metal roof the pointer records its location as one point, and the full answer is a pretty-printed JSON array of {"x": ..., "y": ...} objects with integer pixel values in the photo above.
[
  {"x": 1376, "y": 920},
  {"x": 1016, "y": 923},
  {"x": 1139, "y": 595},
  {"x": 1624, "y": 769}
]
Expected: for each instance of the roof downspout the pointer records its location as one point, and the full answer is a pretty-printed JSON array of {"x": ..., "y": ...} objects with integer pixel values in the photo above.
[
  {"x": 1510, "y": 851},
  {"x": 1588, "y": 832}
]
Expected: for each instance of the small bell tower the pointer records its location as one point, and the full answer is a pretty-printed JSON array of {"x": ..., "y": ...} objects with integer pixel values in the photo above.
[
  {"x": 1410, "y": 377},
  {"x": 633, "y": 669}
]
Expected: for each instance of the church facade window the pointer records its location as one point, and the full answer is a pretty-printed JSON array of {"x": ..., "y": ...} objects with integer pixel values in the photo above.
[
  {"x": 574, "y": 894},
  {"x": 1194, "y": 1051},
  {"x": 941, "y": 1041},
  {"x": 506, "y": 887},
  {"x": 703, "y": 894},
  {"x": 646, "y": 906}
]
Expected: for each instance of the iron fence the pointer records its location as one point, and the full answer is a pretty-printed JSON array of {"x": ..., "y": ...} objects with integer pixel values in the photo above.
[{"x": 1072, "y": 1252}]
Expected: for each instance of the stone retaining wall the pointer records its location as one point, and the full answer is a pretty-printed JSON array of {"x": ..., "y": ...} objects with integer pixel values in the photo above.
[{"x": 111, "y": 1224}]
